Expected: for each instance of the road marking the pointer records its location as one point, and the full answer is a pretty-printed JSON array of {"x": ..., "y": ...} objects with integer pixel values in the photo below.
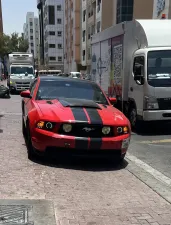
[
  {"x": 155, "y": 141},
  {"x": 155, "y": 173}
]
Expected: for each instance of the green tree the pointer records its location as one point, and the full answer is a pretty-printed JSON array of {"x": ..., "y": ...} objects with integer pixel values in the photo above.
[
  {"x": 23, "y": 44},
  {"x": 12, "y": 43}
]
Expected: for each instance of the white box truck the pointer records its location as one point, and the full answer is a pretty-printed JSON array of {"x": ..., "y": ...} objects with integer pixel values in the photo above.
[
  {"x": 20, "y": 71},
  {"x": 132, "y": 62}
]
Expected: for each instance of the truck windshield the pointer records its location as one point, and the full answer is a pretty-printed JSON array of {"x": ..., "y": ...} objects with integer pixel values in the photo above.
[
  {"x": 21, "y": 70},
  {"x": 159, "y": 68}
]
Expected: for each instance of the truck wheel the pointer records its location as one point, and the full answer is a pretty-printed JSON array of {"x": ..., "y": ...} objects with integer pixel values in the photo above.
[{"x": 135, "y": 123}]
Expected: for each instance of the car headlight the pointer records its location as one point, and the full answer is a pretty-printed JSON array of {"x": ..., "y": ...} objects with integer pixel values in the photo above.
[
  {"x": 11, "y": 82},
  {"x": 122, "y": 130},
  {"x": 150, "y": 103},
  {"x": 45, "y": 125},
  {"x": 106, "y": 130},
  {"x": 67, "y": 128}
]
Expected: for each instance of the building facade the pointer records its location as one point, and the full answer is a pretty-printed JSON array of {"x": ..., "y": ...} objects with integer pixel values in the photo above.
[
  {"x": 31, "y": 33},
  {"x": 51, "y": 22},
  {"x": 1, "y": 19},
  {"x": 72, "y": 35}
]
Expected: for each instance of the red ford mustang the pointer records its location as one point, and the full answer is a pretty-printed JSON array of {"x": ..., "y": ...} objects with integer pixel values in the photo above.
[{"x": 73, "y": 116}]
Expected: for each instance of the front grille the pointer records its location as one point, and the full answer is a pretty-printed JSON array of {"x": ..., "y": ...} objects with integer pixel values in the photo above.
[
  {"x": 86, "y": 130},
  {"x": 23, "y": 83},
  {"x": 164, "y": 103}
]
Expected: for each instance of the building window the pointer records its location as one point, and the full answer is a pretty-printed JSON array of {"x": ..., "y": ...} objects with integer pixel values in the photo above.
[
  {"x": 51, "y": 14},
  {"x": 89, "y": 31},
  {"x": 52, "y": 58},
  {"x": 51, "y": 45},
  {"x": 59, "y": 33},
  {"x": 31, "y": 23},
  {"x": 83, "y": 55},
  {"x": 59, "y": 59},
  {"x": 59, "y": 46},
  {"x": 31, "y": 30},
  {"x": 31, "y": 37},
  {"x": 124, "y": 10},
  {"x": 59, "y": 21},
  {"x": 98, "y": 27},
  {"x": 59, "y": 8},
  {"x": 84, "y": 15},
  {"x": 51, "y": 32},
  {"x": 32, "y": 44},
  {"x": 84, "y": 34}
]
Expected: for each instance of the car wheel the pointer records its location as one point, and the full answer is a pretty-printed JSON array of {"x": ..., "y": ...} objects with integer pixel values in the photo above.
[
  {"x": 23, "y": 128},
  {"x": 30, "y": 149}
]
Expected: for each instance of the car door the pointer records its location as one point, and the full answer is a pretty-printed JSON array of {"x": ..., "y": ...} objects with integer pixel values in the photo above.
[{"x": 28, "y": 102}]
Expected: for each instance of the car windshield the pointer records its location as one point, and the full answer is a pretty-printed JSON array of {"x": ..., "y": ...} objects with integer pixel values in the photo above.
[
  {"x": 51, "y": 89},
  {"x": 16, "y": 70}
]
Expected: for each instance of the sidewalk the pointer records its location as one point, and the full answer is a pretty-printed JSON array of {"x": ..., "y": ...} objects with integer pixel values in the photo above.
[{"x": 127, "y": 201}]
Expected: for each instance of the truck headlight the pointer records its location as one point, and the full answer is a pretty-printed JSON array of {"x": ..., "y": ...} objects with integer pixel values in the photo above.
[{"x": 150, "y": 103}]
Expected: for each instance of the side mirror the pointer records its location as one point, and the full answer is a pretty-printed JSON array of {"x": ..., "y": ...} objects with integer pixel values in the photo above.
[
  {"x": 25, "y": 94},
  {"x": 112, "y": 100}
]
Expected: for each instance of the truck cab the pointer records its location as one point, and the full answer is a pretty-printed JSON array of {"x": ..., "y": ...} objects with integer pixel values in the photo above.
[{"x": 21, "y": 71}]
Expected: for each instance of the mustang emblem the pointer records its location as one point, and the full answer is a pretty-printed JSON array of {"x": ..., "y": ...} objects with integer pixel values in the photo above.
[{"x": 87, "y": 129}]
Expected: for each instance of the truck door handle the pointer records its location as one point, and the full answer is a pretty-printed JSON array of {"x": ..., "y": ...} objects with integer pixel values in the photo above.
[{"x": 131, "y": 88}]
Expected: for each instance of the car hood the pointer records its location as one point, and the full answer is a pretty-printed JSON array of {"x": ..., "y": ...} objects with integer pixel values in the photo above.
[{"x": 67, "y": 110}]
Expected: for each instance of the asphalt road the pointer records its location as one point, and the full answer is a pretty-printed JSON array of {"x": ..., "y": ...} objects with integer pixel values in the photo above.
[{"x": 153, "y": 146}]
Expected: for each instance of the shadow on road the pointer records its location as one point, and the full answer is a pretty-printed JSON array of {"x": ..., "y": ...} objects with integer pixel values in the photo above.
[
  {"x": 154, "y": 129},
  {"x": 80, "y": 163}
]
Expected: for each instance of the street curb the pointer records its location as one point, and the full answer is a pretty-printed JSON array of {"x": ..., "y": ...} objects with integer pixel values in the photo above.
[{"x": 159, "y": 187}]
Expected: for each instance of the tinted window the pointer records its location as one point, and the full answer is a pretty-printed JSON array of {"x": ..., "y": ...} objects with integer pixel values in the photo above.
[{"x": 51, "y": 89}]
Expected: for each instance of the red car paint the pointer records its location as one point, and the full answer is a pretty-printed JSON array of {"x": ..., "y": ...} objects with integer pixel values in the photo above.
[{"x": 40, "y": 110}]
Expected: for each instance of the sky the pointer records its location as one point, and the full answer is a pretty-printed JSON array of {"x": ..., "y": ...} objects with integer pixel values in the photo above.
[{"x": 14, "y": 14}]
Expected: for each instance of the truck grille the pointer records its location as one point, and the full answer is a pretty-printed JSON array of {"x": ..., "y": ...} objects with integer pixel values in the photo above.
[
  {"x": 93, "y": 131},
  {"x": 22, "y": 85},
  {"x": 164, "y": 103}
]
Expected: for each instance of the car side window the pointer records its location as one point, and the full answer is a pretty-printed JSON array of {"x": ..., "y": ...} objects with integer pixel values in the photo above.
[{"x": 32, "y": 88}]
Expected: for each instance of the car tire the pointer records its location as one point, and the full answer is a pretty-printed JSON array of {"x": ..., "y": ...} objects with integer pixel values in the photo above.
[
  {"x": 30, "y": 149},
  {"x": 23, "y": 128},
  {"x": 135, "y": 123}
]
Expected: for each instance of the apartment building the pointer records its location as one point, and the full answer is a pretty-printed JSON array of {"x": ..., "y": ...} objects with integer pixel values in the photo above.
[
  {"x": 72, "y": 35},
  {"x": 31, "y": 33},
  {"x": 1, "y": 19},
  {"x": 51, "y": 17}
]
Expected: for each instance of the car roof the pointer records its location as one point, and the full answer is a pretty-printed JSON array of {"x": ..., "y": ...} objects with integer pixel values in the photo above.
[{"x": 59, "y": 78}]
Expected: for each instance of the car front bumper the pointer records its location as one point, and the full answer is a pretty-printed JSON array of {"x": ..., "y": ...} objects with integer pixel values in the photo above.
[{"x": 43, "y": 141}]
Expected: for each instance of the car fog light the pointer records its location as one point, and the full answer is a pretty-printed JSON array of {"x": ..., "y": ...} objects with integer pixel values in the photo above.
[
  {"x": 106, "y": 130},
  {"x": 40, "y": 124},
  {"x": 67, "y": 128}
]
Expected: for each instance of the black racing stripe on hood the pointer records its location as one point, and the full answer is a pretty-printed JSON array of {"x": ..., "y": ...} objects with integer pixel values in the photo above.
[
  {"x": 95, "y": 143},
  {"x": 94, "y": 116},
  {"x": 79, "y": 114}
]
